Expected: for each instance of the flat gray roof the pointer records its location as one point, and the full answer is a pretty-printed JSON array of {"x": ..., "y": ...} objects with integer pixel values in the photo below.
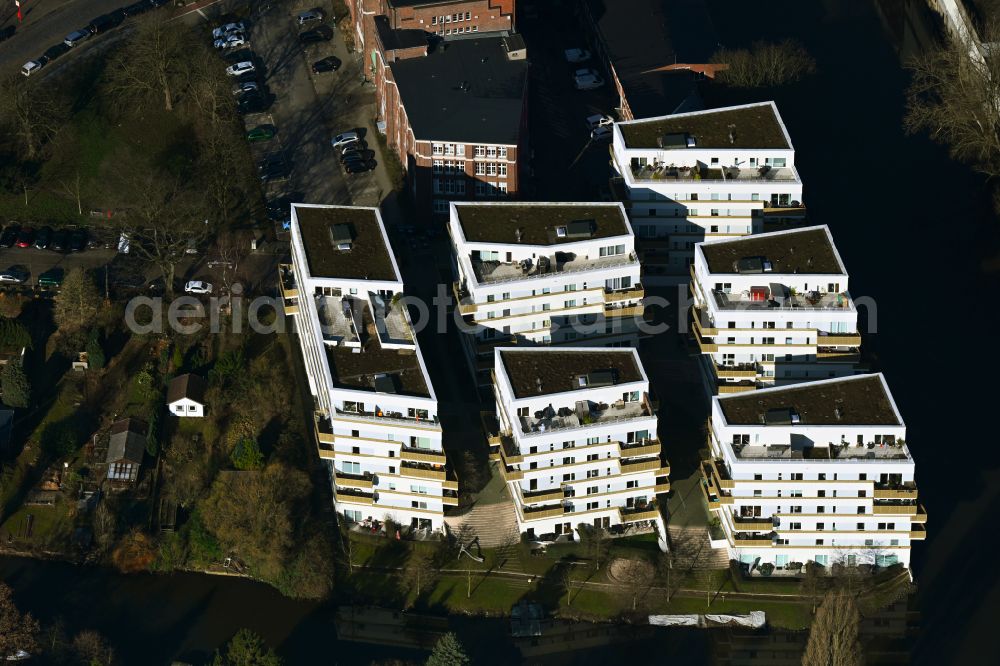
[
  {"x": 859, "y": 400},
  {"x": 534, "y": 373}
]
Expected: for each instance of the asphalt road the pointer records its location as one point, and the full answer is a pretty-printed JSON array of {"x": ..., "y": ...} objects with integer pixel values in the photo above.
[{"x": 46, "y": 24}]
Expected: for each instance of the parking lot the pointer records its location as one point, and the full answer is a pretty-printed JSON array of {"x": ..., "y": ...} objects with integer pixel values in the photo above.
[{"x": 565, "y": 164}]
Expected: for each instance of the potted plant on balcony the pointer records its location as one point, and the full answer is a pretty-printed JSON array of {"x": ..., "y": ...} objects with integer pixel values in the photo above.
[{"x": 766, "y": 569}]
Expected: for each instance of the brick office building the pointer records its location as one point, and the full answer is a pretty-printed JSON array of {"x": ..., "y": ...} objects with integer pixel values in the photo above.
[
  {"x": 438, "y": 17},
  {"x": 457, "y": 116},
  {"x": 451, "y": 91}
]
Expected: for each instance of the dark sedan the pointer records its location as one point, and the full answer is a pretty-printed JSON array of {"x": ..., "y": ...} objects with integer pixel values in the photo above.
[
  {"x": 9, "y": 235},
  {"x": 43, "y": 238},
  {"x": 324, "y": 33},
  {"x": 359, "y": 166},
  {"x": 60, "y": 240},
  {"x": 77, "y": 240},
  {"x": 331, "y": 64}
]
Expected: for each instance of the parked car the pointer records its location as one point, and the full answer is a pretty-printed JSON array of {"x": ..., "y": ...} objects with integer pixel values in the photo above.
[
  {"x": 241, "y": 68},
  {"x": 577, "y": 55},
  {"x": 105, "y": 22},
  {"x": 157, "y": 3},
  {"x": 359, "y": 166},
  {"x": 77, "y": 240},
  {"x": 233, "y": 41},
  {"x": 198, "y": 287},
  {"x": 261, "y": 133},
  {"x": 587, "y": 79},
  {"x": 43, "y": 237},
  {"x": 279, "y": 210},
  {"x": 54, "y": 52},
  {"x": 140, "y": 7},
  {"x": 31, "y": 67},
  {"x": 253, "y": 103},
  {"x": 363, "y": 155},
  {"x": 245, "y": 87},
  {"x": 75, "y": 37},
  {"x": 52, "y": 278},
  {"x": 603, "y": 133},
  {"x": 599, "y": 120},
  {"x": 273, "y": 170},
  {"x": 15, "y": 274},
  {"x": 60, "y": 239},
  {"x": 330, "y": 64},
  {"x": 229, "y": 28},
  {"x": 9, "y": 235},
  {"x": 310, "y": 16},
  {"x": 323, "y": 33},
  {"x": 345, "y": 138}
]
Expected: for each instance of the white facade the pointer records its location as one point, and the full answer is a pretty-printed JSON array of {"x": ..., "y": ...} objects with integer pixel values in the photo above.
[
  {"x": 721, "y": 173},
  {"x": 376, "y": 412},
  {"x": 585, "y": 455},
  {"x": 589, "y": 291},
  {"x": 773, "y": 320},
  {"x": 810, "y": 483},
  {"x": 187, "y": 407}
]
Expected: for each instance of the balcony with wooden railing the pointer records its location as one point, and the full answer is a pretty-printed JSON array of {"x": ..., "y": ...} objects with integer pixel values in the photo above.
[
  {"x": 722, "y": 477},
  {"x": 754, "y": 524},
  {"x": 625, "y": 311},
  {"x": 839, "y": 340},
  {"x": 636, "y": 292},
  {"x": 742, "y": 371},
  {"x": 413, "y": 454},
  {"x": 538, "y": 513},
  {"x": 649, "y": 447},
  {"x": 286, "y": 281},
  {"x": 710, "y": 488},
  {"x": 921, "y": 515},
  {"x": 633, "y": 514},
  {"x": 895, "y": 509},
  {"x": 918, "y": 532},
  {"x": 463, "y": 301},
  {"x": 698, "y": 324},
  {"x": 343, "y": 479},
  {"x": 899, "y": 492},
  {"x": 352, "y": 496},
  {"x": 509, "y": 474},
  {"x": 742, "y": 540},
  {"x": 705, "y": 346},
  {"x": 727, "y": 389},
  {"x": 542, "y": 496},
  {"x": 421, "y": 471},
  {"x": 639, "y": 466},
  {"x": 661, "y": 487}
]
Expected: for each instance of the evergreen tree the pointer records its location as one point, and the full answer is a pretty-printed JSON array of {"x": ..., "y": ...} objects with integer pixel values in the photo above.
[
  {"x": 14, "y": 385},
  {"x": 448, "y": 652},
  {"x": 95, "y": 353},
  {"x": 833, "y": 636},
  {"x": 246, "y": 649}
]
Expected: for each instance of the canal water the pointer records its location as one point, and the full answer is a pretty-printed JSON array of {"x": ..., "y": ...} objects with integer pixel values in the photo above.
[{"x": 918, "y": 235}]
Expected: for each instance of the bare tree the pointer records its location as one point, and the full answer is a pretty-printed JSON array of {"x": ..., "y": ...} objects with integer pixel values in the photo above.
[
  {"x": 30, "y": 112},
  {"x": 955, "y": 98},
  {"x": 78, "y": 301},
  {"x": 18, "y": 631},
  {"x": 155, "y": 62},
  {"x": 764, "y": 64},
  {"x": 634, "y": 576},
  {"x": 833, "y": 636},
  {"x": 595, "y": 541},
  {"x": 161, "y": 216},
  {"x": 419, "y": 570}
]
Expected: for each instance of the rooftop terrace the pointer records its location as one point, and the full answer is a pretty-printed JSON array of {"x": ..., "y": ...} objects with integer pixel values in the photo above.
[
  {"x": 813, "y": 300},
  {"x": 488, "y": 272},
  {"x": 538, "y": 224},
  {"x": 855, "y": 401},
  {"x": 535, "y": 373},
  {"x": 671, "y": 172},
  {"x": 869, "y": 451},
  {"x": 753, "y": 126},
  {"x": 805, "y": 252},
  {"x": 369, "y": 256},
  {"x": 373, "y": 367}
]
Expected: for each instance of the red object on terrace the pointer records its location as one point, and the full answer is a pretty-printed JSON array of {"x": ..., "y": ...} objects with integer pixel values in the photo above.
[{"x": 758, "y": 293}]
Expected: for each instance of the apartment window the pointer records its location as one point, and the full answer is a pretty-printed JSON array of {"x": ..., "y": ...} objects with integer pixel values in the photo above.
[
  {"x": 862, "y": 493},
  {"x": 440, "y": 205},
  {"x": 861, "y": 527},
  {"x": 758, "y": 477},
  {"x": 819, "y": 542},
  {"x": 795, "y": 526},
  {"x": 820, "y": 526},
  {"x": 861, "y": 510}
]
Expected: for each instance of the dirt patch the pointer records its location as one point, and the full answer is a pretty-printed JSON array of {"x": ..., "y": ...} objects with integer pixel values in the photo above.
[{"x": 622, "y": 570}]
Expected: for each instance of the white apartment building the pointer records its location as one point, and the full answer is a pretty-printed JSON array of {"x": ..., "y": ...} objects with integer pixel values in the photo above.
[
  {"x": 816, "y": 472},
  {"x": 577, "y": 441},
  {"x": 544, "y": 273},
  {"x": 706, "y": 175},
  {"x": 773, "y": 309},
  {"x": 376, "y": 420}
]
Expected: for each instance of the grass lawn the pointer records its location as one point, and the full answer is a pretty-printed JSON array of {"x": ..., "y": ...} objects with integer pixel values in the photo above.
[{"x": 50, "y": 524}]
